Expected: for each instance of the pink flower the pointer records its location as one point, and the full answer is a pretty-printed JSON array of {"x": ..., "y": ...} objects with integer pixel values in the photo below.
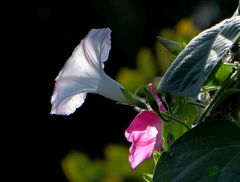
[
  {"x": 145, "y": 134},
  {"x": 161, "y": 106}
]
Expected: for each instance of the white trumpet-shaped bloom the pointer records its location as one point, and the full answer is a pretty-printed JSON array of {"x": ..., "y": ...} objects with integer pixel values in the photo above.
[{"x": 83, "y": 72}]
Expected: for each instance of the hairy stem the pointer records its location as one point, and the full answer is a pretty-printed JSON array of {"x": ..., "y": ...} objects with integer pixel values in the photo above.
[{"x": 174, "y": 119}]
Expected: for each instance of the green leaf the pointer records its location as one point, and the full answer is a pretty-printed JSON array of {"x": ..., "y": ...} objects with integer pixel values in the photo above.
[
  {"x": 171, "y": 131},
  {"x": 208, "y": 152},
  {"x": 183, "y": 111},
  {"x": 220, "y": 75},
  {"x": 147, "y": 177},
  {"x": 174, "y": 47},
  {"x": 194, "y": 64}
]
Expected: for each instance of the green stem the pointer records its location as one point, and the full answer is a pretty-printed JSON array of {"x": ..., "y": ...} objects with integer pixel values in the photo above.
[
  {"x": 197, "y": 104},
  {"x": 236, "y": 64},
  {"x": 218, "y": 96},
  {"x": 230, "y": 91},
  {"x": 174, "y": 119}
]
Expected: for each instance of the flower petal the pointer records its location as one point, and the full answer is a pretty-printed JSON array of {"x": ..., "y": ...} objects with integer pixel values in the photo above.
[
  {"x": 139, "y": 153},
  {"x": 152, "y": 89},
  {"x": 70, "y": 93},
  {"x": 103, "y": 46},
  {"x": 86, "y": 60},
  {"x": 145, "y": 134},
  {"x": 140, "y": 124},
  {"x": 161, "y": 106},
  {"x": 68, "y": 105}
]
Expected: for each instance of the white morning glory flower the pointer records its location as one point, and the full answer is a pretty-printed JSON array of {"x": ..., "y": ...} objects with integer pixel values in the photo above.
[{"x": 83, "y": 72}]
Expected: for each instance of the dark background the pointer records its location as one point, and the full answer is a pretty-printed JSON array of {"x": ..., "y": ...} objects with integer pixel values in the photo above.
[{"x": 46, "y": 33}]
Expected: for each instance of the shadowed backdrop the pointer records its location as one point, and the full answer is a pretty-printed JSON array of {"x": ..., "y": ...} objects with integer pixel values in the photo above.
[{"x": 54, "y": 29}]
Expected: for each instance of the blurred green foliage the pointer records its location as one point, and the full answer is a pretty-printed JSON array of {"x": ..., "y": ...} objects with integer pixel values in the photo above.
[
  {"x": 150, "y": 64},
  {"x": 79, "y": 167}
]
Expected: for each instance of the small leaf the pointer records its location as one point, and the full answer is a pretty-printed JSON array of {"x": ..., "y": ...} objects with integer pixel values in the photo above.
[
  {"x": 147, "y": 177},
  {"x": 208, "y": 152},
  {"x": 174, "y": 47},
  {"x": 156, "y": 155},
  {"x": 183, "y": 44},
  {"x": 220, "y": 75},
  {"x": 194, "y": 64}
]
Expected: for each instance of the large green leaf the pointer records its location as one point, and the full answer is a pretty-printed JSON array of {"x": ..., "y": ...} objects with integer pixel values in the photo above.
[
  {"x": 208, "y": 152},
  {"x": 194, "y": 64}
]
